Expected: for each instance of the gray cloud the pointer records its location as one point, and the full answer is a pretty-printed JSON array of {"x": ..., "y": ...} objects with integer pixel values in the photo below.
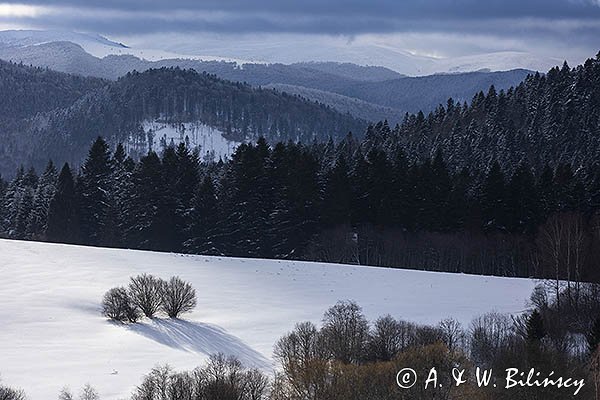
[{"x": 566, "y": 23}]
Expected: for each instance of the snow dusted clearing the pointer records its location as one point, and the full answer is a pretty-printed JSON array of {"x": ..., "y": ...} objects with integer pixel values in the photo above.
[
  {"x": 52, "y": 333},
  {"x": 210, "y": 140}
]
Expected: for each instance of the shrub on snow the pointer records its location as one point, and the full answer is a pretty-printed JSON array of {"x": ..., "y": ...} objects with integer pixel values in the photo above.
[
  {"x": 178, "y": 297},
  {"x": 117, "y": 306},
  {"x": 7, "y": 393},
  {"x": 145, "y": 292}
]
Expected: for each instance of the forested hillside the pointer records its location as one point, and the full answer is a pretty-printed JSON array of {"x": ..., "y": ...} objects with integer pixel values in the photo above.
[
  {"x": 25, "y": 92},
  {"x": 117, "y": 110},
  {"x": 375, "y": 86},
  {"x": 351, "y": 202},
  {"x": 547, "y": 119}
]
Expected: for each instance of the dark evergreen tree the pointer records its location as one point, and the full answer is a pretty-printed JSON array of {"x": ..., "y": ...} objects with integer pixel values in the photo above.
[
  {"x": 294, "y": 217},
  {"x": 337, "y": 195},
  {"x": 150, "y": 208},
  {"x": 94, "y": 192},
  {"x": 376, "y": 191},
  {"x": 246, "y": 203},
  {"x": 546, "y": 192},
  {"x": 523, "y": 201},
  {"x": 203, "y": 217},
  {"x": 493, "y": 200},
  {"x": 63, "y": 219},
  {"x": 535, "y": 328},
  {"x": 41, "y": 202},
  {"x": 400, "y": 192},
  {"x": 121, "y": 186},
  {"x": 439, "y": 193},
  {"x": 359, "y": 178}
]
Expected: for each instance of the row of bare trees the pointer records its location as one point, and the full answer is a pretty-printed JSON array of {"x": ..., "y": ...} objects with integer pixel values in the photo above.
[
  {"x": 350, "y": 359},
  {"x": 565, "y": 248}
]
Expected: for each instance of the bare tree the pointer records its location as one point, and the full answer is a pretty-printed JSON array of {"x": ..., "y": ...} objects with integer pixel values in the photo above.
[
  {"x": 146, "y": 293},
  {"x": 88, "y": 393},
  {"x": 489, "y": 334},
  {"x": 117, "y": 305},
  {"x": 65, "y": 394},
  {"x": 178, "y": 297},
  {"x": 385, "y": 339},
  {"x": 452, "y": 333},
  {"x": 256, "y": 384},
  {"x": 563, "y": 247},
  {"x": 345, "y": 330}
]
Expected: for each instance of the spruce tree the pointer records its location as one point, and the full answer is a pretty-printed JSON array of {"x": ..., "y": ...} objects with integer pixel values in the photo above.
[
  {"x": 150, "y": 208},
  {"x": 523, "y": 201},
  {"x": 493, "y": 200},
  {"x": 202, "y": 219},
  {"x": 535, "y": 328},
  {"x": 37, "y": 221},
  {"x": 63, "y": 219},
  {"x": 121, "y": 185},
  {"x": 94, "y": 191},
  {"x": 337, "y": 195}
]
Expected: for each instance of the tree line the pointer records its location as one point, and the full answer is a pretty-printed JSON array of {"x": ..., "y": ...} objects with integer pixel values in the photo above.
[{"x": 347, "y": 202}]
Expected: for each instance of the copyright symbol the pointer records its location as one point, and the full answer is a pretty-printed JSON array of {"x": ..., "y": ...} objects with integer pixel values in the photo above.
[{"x": 406, "y": 378}]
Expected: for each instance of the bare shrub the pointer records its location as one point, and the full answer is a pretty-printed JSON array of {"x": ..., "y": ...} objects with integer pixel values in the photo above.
[
  {"x": 155, "y": 385},
  {"x": 146, "y": 293},
  {"x": 7, "y": 393},
  {"x": 88, "y": 393},
  {"x": 178, "y": 297},
  {"x": 223, "y": 378},
  {"x": 117, "y": 306},
  {"x": 65, "y": 394}
]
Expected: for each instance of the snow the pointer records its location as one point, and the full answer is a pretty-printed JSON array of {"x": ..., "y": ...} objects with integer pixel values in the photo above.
[
  {"x": 52, "y": 333},
  {"x": 207, "y": 138},
  {"x": 285, "y": 49},
  {"x": 96, "y": 45}
]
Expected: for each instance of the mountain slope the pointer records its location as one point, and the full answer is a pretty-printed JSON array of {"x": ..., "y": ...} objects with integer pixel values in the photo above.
[
  {"x": 53, "y": 335},
  {"x": 548, "y": 119},
  {"x": 427, "y": 92},
  {"x": 129, "y": 109},
  {"x": 345, "y": 104},
  {"x": 376, "y": 85},
  {"x": 27, "y": 91},
  {"x": 24, "y": 93}
]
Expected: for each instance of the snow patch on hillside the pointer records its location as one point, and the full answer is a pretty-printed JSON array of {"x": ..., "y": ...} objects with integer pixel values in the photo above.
[
  {"x": 52, "y": 333},
  {"x": 209, "y": 140}
]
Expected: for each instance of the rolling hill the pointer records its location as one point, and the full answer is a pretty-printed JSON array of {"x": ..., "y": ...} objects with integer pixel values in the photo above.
[{"x": 53, "y": 335}]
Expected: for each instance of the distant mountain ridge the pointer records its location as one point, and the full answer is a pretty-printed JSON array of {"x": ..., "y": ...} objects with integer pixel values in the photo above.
[{"x": 375, "y": 87}]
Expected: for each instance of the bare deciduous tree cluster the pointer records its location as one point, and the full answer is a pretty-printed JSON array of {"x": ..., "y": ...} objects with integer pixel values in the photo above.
[
  {"x": 223, "y": 378},
  {"x": 350, "y": 359},
  {"x": 148, "y": 295}
]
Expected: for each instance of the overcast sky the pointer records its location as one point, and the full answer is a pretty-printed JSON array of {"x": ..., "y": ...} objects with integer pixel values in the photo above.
[{"x": 442, "y": 28}]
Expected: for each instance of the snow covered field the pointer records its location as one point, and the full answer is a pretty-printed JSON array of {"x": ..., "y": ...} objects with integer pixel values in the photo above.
[{"x": 52, "y": 334}]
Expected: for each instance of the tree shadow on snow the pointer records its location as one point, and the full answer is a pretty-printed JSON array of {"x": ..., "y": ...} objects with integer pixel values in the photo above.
[{"x": 199, "y": 337}]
